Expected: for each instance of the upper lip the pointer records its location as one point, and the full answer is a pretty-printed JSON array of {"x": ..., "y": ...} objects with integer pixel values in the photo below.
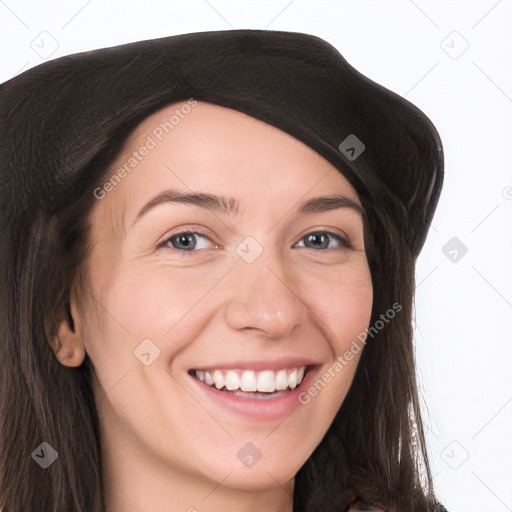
[{"x": 260, "y": 364}]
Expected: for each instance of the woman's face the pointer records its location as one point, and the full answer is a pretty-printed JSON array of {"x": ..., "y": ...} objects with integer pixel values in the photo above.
[{"x": 240, "y": 276}]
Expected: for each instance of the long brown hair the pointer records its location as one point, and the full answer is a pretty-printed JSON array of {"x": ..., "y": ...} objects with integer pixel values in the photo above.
[{"x": 64, "y": 123}]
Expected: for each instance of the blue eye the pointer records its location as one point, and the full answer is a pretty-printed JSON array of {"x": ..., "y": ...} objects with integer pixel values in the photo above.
[
  {"x": 321, "y": 240},
  {"x": 185, "y": 241}
]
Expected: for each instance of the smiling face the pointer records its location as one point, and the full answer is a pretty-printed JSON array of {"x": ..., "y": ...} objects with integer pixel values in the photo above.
[{"x": 258, "y": 281}]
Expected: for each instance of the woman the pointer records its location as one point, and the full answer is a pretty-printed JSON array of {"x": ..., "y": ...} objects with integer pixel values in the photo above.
[{"x": 208, "y": 280}]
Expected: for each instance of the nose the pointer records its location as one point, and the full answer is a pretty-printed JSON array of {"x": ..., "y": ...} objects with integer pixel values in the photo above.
[{"x": 263, "y": 298}]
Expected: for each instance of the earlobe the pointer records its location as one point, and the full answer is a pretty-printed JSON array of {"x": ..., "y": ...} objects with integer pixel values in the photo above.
[
  {"x": 67, "y": 343},
  {"x": 70, "y": 353}
]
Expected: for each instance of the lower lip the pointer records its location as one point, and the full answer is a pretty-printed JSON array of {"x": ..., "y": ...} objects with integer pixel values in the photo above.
[{"x": 256, "y": 409}]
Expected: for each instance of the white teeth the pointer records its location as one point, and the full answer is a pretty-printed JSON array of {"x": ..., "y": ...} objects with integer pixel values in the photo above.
[
  {"x": 281, "y": 380},
  {"x": 292, "y": 379},
  {"x": 232, "y": 380},
  {"x": 218, "y": 379},
  {"x": 248, "y": 381},
  {"x": 266, "y": 381}
]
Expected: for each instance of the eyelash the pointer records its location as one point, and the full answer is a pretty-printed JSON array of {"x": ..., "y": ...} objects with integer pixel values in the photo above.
[{"x": 345, "y": 244}]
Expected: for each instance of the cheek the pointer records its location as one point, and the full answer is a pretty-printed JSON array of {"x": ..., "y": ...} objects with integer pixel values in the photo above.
[
  {"x": 155, "y": 303},
  {"x": 343, "y": 303},
  {"x": 162, "y": 298}
]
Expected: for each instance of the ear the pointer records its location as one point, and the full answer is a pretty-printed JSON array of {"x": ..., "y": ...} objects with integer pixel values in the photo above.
[{"x": 65, "y": 340}]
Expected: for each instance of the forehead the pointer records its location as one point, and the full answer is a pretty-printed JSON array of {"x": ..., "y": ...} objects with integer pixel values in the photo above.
[{"x": 213, "y": 149}]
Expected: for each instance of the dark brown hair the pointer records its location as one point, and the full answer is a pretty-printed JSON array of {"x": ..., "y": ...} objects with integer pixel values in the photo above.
[{"x": 64, "y": 123}]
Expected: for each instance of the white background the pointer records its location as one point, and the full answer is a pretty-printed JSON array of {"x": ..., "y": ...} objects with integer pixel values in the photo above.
[{"x": 417, "y": 49}]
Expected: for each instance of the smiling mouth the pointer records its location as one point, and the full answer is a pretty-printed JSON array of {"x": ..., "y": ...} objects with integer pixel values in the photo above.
[{"x": 253, "y": 384}]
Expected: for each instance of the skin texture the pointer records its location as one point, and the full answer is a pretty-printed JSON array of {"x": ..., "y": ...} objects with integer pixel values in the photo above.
[{"x": 165, "y": 446}]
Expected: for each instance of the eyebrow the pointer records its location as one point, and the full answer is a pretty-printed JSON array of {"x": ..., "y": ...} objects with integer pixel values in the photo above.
[{"x": 231, "y": 206}]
